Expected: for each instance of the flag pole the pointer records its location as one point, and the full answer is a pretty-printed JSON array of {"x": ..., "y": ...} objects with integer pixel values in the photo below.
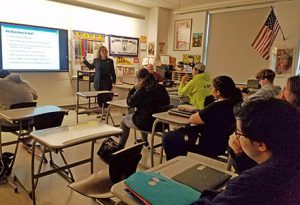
[{"x": 283, "y": 36}]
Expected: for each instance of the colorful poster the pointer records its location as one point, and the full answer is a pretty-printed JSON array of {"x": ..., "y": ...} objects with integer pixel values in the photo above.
[
  {"x": 197, "y": 40},
  {"x": 125, "y": 61},
  {"x": 162, "y": 48},
  {"x": 86, "y": 44},
  {"x": 182, "y": 35},
  {"x": 143, "y": 39},
  {"x": 188, "y": 59},
  {"x": 151, "y": 48},
  {"x": 284, "y": 61}
]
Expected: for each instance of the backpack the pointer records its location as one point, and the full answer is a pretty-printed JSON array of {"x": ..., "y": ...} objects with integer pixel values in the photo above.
[
  {"x": 6, "y": 165},
  {"x": 108, "y": 147}
]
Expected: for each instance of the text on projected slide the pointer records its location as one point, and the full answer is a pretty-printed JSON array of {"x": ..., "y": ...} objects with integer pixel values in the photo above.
[{"x": 26, "y": 47}]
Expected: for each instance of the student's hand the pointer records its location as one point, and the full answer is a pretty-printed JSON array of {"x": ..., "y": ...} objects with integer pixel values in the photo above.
[
  {"x": 184, "y": 78},
  {"x": 234, "y": 144},
  {"x": 281, "y": 95},
  {"x": 138, "y": 85}
]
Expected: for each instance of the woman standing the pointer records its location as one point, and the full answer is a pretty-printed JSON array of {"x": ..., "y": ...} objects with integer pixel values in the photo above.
[{"x": 105, "y": 75}]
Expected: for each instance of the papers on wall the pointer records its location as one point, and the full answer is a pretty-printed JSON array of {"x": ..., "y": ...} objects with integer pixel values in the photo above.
[{"x": 165, "y": 60}]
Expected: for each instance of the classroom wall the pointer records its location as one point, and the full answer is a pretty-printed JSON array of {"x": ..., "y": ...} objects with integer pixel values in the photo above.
[
  {"x": 56, "y": 88},
  {"x": 238, "y": 59},
  {"x": 198, "y": 26}
]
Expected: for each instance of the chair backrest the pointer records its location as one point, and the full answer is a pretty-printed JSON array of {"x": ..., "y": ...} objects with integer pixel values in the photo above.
[
  {"x": 123, "y": 163},
  {"x": 48, "y": 120},
  {"x": 103, "y": 98},
  {"x": 23, "y": 105}
]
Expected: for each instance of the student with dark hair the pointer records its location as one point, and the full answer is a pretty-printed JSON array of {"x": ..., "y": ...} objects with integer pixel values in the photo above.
[
  {"x": 240, "y": 161},
  {"x": 148, "y": 97},
  {"x": 291, "y": 91},
  {"x": 266, "y": 79},
  {"x": 214, "y": 123},
  {"x": 105, "y": 75},
  {"x": 269, "y": 133}
]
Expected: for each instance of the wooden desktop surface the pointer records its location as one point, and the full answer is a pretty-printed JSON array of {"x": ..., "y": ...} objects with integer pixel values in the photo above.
[
  {"x": 172, "y": 119},
  {"x": 60, "y": 137},
  {"x": 89, "y": 94},
  {"x": 29, "y": 112},
  {"x": 119, "y": 103}
]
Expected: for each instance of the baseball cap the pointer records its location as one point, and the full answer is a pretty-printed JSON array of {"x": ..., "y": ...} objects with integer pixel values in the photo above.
[{"x": 200, "y": 67}]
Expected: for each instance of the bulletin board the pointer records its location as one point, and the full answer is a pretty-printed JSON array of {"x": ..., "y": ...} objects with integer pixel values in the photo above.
[
  {"x": 123, "y": 46},
  {"x": 86, "y": 43}
]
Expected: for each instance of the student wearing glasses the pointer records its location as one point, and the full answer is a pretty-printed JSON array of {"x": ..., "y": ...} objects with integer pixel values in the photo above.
[
  {"x": 211, "y": 127},
  {"x": 240, "y": 161},
  {"x": 268, "y": 131}
]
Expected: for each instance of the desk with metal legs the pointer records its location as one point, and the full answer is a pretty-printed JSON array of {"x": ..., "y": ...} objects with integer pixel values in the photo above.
[
  {"x": 20, "y": 116},
  {"x": 59, "y": 138},
  {"x": 165, "y": 118}
]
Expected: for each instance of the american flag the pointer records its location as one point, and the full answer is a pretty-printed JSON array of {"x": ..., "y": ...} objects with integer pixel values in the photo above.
[{"x": 266, "y": 36}]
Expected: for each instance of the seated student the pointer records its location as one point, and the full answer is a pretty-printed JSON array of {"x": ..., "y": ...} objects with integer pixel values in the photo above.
[
  {"x": 240, "y": 161},
  {"x": 14, "y": 90},
  {"x": 215, "y": 123},
  {"x": 198, "y": 88},
  {"x": 157, "y": 76},
  {"x": 269, "y": 133},
  {"x": 148, "y": 97},
  {"x": 268, "y": 90}
]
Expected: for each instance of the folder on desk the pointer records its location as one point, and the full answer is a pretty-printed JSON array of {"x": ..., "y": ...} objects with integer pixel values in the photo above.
[
  {"x": 201, "y": 178},
  {"x": 155, "y": 189}
]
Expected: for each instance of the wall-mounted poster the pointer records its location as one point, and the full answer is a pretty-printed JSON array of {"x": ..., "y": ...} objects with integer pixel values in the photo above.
[
  {"x": 151, "y": 48},
  {"x": 182, "y": 35},
  {"x": 197, "y": 40},
  {"x": 86, "y": 43},
  {"x": 162, "y": 48},
  {"x": 188, "y": 59},
  {"x": 284, "y": 61},
  {"x": 123, "y": 46}
]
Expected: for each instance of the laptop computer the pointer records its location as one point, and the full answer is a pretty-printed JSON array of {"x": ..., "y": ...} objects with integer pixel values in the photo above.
[{"x": 201, "y": 178}]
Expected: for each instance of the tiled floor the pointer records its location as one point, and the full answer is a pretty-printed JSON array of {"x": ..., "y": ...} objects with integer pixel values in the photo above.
[{"x": 53, "y": 190}]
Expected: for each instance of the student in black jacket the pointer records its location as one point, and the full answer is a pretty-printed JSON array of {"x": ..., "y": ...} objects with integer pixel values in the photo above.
[
  {"x": 148, "y": 97},
  {"x": 105, "y": 75},
  {"x": 269, "y": 133}
]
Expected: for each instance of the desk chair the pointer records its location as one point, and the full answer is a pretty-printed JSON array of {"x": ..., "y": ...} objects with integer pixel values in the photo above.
[
  {"x": 15, "y": 129},
  {"x": 159, "y": 130},
  {"x": 49, "y": 120},
  {"x": 102, "y": 100},
  {"x": 122, "y": 164}
]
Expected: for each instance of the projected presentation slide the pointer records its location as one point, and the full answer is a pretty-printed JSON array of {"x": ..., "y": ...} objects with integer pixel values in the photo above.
[{"x": 30, "y": 48}]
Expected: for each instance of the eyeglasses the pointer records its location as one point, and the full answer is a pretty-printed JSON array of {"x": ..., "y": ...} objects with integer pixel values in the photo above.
[{"x": 238, "y": 134}]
